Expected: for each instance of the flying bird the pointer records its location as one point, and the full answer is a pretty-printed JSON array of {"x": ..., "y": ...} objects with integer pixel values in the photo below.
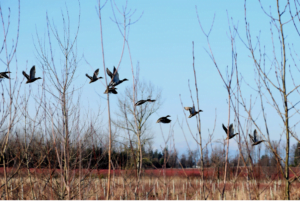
[
  {"x": 254, "y": 138},
  {"x": 3, "y": 75},
  {"x": 94, "y": 78},
  {"x": 231, "y": 131},
  {"x": 143, "y": 101},
  {"x": 111, "y": 90},
  {"x": 32, "y": 77},
  {"x": 192, "y": 110},
  {"x": 164, "y": 119},
  {"x": 115, "y": 77}
]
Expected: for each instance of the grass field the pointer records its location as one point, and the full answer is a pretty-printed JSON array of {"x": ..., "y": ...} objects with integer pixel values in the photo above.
[{"x": 170, "y": 184}]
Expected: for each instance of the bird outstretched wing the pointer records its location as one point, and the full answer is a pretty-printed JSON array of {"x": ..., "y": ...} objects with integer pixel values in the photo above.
[
  {"x": 88, "y": 76},
  {"x": 187, "y": 108},
  {"x": 26, "y": 75},
  {"x": 109, "y": 73},
  {"x": 251, "y": 138},
  {"x": 225, "y": 129},
  {"x": 96, "y": 74},
  {"x": 116, "y": 75},
  {"x": 255, "y": 135},
  {"x": 231, "y": 129},
  {"x": 32, "y": 72}
]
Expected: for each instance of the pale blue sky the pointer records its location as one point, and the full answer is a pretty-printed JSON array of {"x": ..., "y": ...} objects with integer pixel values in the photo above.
[{"x": 161, "y": 41}]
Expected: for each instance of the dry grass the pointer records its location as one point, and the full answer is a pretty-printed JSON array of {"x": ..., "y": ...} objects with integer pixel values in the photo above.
[{"x": 151, "y": 188}]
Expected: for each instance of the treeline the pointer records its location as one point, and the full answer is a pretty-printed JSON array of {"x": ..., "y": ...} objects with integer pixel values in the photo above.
[{"x": 42, "y": 154}]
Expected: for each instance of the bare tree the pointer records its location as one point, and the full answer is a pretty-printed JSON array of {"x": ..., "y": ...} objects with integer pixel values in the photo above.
[
  {"x": 227, "y": 80},
  {"x": 269, "y": 85},
  {"x": 123, "y": 26},
  {"x": 143, "y": 132},
  {"x": 272, "y": 70},
  {"x": 195, "y": 113},
  {"x": 9, "y": 100},
  {"x": 67, "y": 123}
]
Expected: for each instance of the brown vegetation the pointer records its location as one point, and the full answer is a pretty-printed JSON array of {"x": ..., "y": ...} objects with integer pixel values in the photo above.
[{"x": 54, "y": 151}]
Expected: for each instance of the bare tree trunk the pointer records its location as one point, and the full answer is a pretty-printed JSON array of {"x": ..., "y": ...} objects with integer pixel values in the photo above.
[
  {"x": 287, "y": 183},
  {"x": 5, "y": 178},
  {"x": 199, "y": 126},
  {"x": 79, "y": 185},
  {"x": 109, "y": 151},
  {"x": 9, "y": 55},
  {"x": 108, "y": 107},
  {"x": 226, "y": 158},
  {"x": 66, "y": 146}
]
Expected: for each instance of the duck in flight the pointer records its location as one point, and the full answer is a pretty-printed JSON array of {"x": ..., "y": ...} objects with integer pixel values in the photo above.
[
  {"x": 143, "y": 101},
  {"x": 231, "y": 131},
  {"x": 254, "y": 138},
  {"x": 111, "y": 90},
  {"x": 32, "y": 77},
  {"x": 192, "y": 110},
  {"x": 115, "y": 77},
  {"x": 164, "y": 119},
  {"x": 94, "y": 78},
  {"x": 3, "y": 75}
]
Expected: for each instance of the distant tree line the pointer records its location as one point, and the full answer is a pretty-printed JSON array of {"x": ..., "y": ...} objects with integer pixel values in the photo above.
[{"x": 43, "y": 155}]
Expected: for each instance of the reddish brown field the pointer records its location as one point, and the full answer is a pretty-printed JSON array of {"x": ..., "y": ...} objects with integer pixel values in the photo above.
[
  {"x": 155, "y": 184},
  {"x": 209, "y": 173}
]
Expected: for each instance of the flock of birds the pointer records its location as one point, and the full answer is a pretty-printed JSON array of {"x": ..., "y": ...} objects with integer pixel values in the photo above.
[
  {"x": 232, "y": 134},
  {"x": 111, "y": 89}
]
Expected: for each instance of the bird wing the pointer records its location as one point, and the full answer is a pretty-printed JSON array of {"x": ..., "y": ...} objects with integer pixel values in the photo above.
[
  {"x": 225, "y": 129},
  {"x": 116, "y": 77},
  {"x": 187, "y": 108},
  {"x": 96, "y": 74},
  {"x": 3, "y": 74},
  {"x": 109, "y": 73},
  {"x": 231, "y": 129},
  {"x": 32, "y": 72},
  {"x": 251, "y": 138},
  {"x": 255, "y": 135},
  {"x": 111, "y": 90},
  {"x": 114, "y": 91},
  {"x": 192, "y": 110},
  {"x": 26, "y": 75},
  {"x": 88, "y": 76}
]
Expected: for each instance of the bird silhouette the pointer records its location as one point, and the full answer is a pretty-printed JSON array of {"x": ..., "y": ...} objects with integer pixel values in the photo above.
[{"x": 32, "y": 77}]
